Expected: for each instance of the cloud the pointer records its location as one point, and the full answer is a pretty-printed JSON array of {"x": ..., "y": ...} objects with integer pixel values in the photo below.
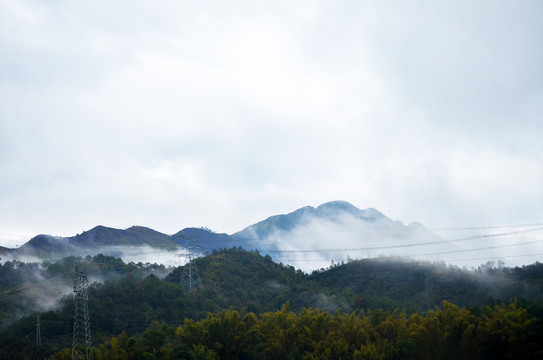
[
  {"x": 316, "y": 242},
  {"x": 174, "y": 114}
]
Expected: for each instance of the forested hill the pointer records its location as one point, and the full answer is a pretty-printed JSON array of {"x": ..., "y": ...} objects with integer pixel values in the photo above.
[
  {"x": 137, "y": 295},
  {"x": 417, "y": 286}
]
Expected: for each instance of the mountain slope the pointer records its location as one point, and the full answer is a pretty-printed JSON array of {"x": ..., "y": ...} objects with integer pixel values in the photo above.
[
  {"x": 335, "y": 212},
  {"x": 133, "y": 236},
  {"x": 100, "y": 239},
  {"x": 204, "y": 239},
  {"x": 307, "y": 238}
]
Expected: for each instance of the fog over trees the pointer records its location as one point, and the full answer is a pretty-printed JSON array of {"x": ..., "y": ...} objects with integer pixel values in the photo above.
[{"x": 371, "y": 308}]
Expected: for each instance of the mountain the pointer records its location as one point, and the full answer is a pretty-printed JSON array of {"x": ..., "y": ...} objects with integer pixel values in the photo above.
[
  {"x": 338, "y": 230},
  {"x": 133, "y": 236},
  {"x": 42, "y": 245},
  {"x": 305, "y": 238},
  {"x": 100, "y": 239},
  {"x": 335, "y": 212},
  {"x": 205, "y": 239}
]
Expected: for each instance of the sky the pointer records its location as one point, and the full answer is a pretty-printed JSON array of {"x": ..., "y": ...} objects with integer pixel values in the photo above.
[{"x": 172, "y": 114}]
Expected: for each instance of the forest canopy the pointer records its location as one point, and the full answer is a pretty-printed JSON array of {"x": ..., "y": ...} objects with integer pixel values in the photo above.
[{"x": 250, "y": 305}]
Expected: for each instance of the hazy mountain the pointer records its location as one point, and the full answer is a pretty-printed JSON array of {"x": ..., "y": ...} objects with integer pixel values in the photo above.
[
  {"x": 100, "y": 239},
  {"x": 42, "y": 245},
  {"x": 334, "y": 230},
  {"x": 204, "y": 239},
  {"x": 309, "y": 237},
  {"x": 133, "y": 236},
  {"x": 336, "y": 212}
]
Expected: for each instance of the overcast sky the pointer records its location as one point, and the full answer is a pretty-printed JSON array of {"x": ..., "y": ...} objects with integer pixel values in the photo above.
[{"x": 170, "y": 114}]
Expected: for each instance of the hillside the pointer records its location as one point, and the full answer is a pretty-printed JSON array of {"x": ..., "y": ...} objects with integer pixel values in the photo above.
[{"x": 129, "y": 297}]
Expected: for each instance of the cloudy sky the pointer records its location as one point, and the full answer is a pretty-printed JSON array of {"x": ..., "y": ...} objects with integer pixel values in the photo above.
[{"x": 171, "y": 114}]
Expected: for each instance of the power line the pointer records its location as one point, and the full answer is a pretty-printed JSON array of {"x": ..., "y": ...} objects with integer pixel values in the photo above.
[
  {"x": 406, "y": 245},
  {"x": 485, "y": 227},
  {"x": 38, "y": 330},
  {"x": 425, "y": 254},
  {"x": 445, "y": 253},
  {"x": 434, "y": 240},
  {"x": 482, "y": 248}
]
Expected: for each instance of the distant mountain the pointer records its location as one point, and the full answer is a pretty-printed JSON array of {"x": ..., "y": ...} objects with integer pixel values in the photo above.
[
  {"x": 337, "y": 230},
  {"x": 43, "y": 245},
  {"x": 205, "y": 239},
  {"x": 133, "y": 236},
  {"x": 317, "y": 233},
  {"x": 100, "y": 239},
  {"x": 4, "y": 250},
  {"x": 333, "y": 212}
]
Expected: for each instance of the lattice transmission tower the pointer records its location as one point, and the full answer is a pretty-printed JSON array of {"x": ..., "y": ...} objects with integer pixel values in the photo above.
[
  {"x": 190, "y": 278},
  {"x": 38, "y": 330},
  {"x": 81, "y": 344}
]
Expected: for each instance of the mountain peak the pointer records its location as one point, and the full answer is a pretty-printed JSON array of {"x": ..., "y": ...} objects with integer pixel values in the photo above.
[
  {"x": 333, "y": 209},
  {"x": 337, "y": 205},
  {"x": 42, "y": 241}
]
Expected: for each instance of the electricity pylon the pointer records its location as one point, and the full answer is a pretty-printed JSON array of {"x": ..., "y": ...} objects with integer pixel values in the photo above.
[
  {"x": 38, "y": 330},
  {"x": 190, "y": 278},
  {"x": 81, "y": 344}
]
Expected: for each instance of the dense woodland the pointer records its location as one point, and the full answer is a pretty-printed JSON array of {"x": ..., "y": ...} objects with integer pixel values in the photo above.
[
  {"x": 503, "y": 331},
  {"x": 251, "y": 307}
]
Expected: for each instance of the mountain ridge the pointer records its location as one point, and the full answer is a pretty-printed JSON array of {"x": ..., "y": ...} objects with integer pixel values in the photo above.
[{"x": 269, "y": 235}]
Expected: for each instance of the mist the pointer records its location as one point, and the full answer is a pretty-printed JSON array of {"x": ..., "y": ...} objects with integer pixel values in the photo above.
[
  {"x": 28, "y": 287},
  {"x": 317, "y": 243},
  {"x": 144, "y": 254}
]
